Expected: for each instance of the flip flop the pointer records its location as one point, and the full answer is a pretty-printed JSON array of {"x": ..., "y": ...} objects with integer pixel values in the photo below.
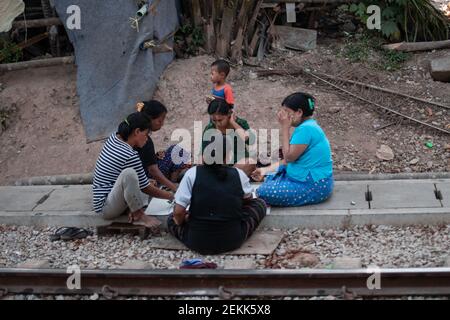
[
  {"x": 197, "y": 264},
  {"x": 61, "y": 231},
  {"x": 76, "y": 233}
]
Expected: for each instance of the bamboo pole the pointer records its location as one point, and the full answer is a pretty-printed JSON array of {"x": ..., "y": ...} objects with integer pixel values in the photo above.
[{"x": 36, "y": 63}]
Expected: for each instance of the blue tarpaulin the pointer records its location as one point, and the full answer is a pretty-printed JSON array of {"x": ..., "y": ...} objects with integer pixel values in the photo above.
[{"x": 113, "y": 73}]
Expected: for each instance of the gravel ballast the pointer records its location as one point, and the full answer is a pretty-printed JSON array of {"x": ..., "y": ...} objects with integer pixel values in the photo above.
[{"x": 382, "y": 246}]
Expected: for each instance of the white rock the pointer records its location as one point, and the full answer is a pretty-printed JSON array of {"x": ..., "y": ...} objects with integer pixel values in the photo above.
[
  {"x": 95, "y": 296},
  {"x": 385, "y": 153}
]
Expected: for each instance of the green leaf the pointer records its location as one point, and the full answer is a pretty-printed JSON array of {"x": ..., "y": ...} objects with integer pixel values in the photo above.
[
  {"x": 353, "y": 7},
  {"x": 389, "y": 12},
  {"x": 389, "y": 28}
]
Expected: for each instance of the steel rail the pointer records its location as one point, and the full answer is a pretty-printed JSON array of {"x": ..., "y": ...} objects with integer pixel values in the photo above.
[
  {"x": 230, "y": 283},
  {"x": 320, "y": 77}
]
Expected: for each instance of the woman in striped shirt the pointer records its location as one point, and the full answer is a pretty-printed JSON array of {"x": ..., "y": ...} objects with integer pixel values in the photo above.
[{"x": 120, "y": 182}]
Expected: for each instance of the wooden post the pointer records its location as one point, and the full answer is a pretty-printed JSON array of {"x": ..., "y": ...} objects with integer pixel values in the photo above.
[
  {"x": 252, "y": 22},
  {"x": 217, "y": 15},
  {"x": 226, "y": 29},
  {"x": 254, "y": 42},
  {"x": 196, "y": 13},
  {"x": 210, "y": 35},
  {"x": 236, "y": 49}
]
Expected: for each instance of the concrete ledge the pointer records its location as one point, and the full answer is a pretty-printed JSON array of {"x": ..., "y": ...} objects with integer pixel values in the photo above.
[
  {"x": 86, "y": 178},
  {"x": 394, "y": 202},
  {"x": 279, "y": 218},
  {"x": 296, "y": 217},
  {"x": 401, "y": 217},
  {"x": 54, "y": 218}
]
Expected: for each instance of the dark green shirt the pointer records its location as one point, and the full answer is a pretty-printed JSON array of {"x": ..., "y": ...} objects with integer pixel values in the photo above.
[{"x": 244, "y": 124}]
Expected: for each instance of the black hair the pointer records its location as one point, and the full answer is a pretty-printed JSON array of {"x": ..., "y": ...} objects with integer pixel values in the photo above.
[
  {"x": 222, "y": 66},
  {"x": 219, "y": 106},
  {"x": 219, "y": 169},
  {"x": 134, "y": 121},
  {"x": 153, "y": 109},
  {"x": 300, "y": 101}
]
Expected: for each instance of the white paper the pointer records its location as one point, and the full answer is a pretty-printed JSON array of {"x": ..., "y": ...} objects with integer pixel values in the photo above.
[
  {"x": 159, "y": 207},
  {"x": 290, "y": 12}
]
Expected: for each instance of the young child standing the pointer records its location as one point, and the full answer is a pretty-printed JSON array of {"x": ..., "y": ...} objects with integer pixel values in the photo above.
[{"x": 221, "y": 90}]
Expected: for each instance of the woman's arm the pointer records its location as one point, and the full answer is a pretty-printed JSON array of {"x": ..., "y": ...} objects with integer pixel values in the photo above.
[
  {"x": 291, "y": 152},
  {"x": 243, "y": 134},
  {"x": 158, "y": 176},
  {"x": 180, "y": 214},
  {"x": 258, "y": 174},
  {"x": 157, "y": 193}
]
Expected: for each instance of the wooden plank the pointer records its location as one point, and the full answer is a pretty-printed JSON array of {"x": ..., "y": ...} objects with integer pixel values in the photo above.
[
  {"x": 418, "y": 46},
  {"x": 295, "y": 38},
  {"x": 36, "y": 63},
  {"x": 38, "y": 23}
]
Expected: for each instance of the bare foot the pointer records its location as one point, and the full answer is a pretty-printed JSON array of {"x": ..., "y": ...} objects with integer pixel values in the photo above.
[
  {"x": 149, "y": 222},
  {"x": 134, "y": 216}
]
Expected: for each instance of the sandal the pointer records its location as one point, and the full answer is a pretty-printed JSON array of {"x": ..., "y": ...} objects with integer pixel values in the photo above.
[
  {"x": 76, "y": 233},
  {"x": 60, "y": 232}
]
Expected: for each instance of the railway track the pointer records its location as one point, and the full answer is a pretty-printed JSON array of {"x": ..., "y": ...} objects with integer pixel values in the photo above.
[
  {"x": 394, "y": 106},
  {"x": 227, "y": 284}
]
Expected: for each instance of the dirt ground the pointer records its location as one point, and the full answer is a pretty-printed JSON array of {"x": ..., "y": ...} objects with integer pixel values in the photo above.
[{"x": 46, "y": 137}]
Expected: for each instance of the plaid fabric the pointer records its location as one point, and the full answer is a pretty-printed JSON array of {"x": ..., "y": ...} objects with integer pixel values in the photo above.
[
  {"x": 253, "y": 210},
  {"x": 174, "y": 229}
]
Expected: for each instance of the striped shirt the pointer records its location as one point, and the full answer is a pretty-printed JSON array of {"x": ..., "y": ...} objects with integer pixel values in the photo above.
[{"x": 116, "y": 156}]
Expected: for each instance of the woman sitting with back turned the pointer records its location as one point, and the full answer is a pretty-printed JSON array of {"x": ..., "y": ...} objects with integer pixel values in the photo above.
[{"x": 215, "y": 211}]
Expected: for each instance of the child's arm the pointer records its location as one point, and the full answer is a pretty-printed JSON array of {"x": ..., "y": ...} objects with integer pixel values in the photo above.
[{"x": 229, "y": 97}]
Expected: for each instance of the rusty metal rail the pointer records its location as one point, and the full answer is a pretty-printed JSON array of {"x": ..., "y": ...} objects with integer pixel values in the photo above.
[{"x": 229, "y": 283}]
